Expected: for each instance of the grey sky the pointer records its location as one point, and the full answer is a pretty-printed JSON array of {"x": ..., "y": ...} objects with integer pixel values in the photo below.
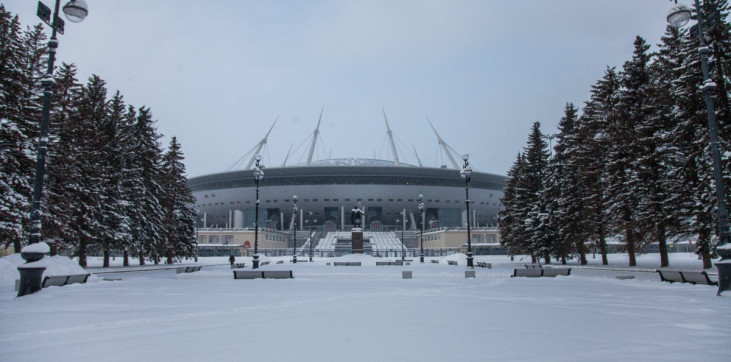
[{"x": 218, "y": 73}]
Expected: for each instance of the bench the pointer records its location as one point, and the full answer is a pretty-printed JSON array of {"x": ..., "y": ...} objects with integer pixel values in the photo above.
[
  {"x": 533, "y": 266},
  {"x": 61, "y": 280},
  {"x": 553, "y": 272},
  {"x": 695, "y": 277},
  {"x": 530, "y": 273},
  {"x": 187, "y": 269},
  {"x": 452, "y": 262},
  {"x": 264, "y": 274},
  {"x": 237, "y": 265},
  {"x": 692, "y": 277},
  {"x": 346, "y": 263},
  {"x": 397, "y": 262},
  {"x": 279, "y": 262},
  {"x": 264, "y": 263},
  {"x": 535, "y": 273},
  {"x": 435, "y": 261},
  {"x": 483, "y": 264},
  {"x": 670, "y": 276}
]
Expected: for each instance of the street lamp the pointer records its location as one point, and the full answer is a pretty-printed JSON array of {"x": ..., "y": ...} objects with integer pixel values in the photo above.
[
  {"x": 398, "y": 221},
  {"x": 465, "y": 173},
  {"x": 678, "y": 16},
  {"x": 75, "y": 11},
  {"x": 309, "y": 231},
  {"x": 258, "y": 176},
  {"x": 294, "y": 243},
  {"x": 403, "y": 226},
  {"x": 422, "y": 209}
]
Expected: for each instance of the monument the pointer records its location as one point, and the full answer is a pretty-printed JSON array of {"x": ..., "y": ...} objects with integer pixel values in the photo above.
[{"x": 356, "y": 218}]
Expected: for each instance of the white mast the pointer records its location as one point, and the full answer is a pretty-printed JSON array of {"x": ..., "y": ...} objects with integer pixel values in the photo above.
[
  {"x": 445, "y": 146},
  {"x": 314, "y": 138},
  {"x": 260, "y": 146},
  {"x": 390, "y": 140}
]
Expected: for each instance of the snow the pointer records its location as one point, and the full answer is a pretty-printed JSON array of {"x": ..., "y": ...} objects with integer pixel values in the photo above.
[
  {"x": 37, "y": 248},
  {"x": 366, "y": 313}
]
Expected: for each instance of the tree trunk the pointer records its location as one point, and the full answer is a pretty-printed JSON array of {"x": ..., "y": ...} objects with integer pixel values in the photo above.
[
  {"x": 664, "y": 260},
  {"x": 81, "y": 252},
  {"x": 533, "y": 259},
  {"x": 17, "y": 247},
  {"x": 603, "y": 245},
  {"x": 125, "y": 258},
  {"x": 142, "y": 258},
  {"x": 703, "y": 248},
  {"x": 631, "y": 247},
  {"x": 106, "y": 259}
]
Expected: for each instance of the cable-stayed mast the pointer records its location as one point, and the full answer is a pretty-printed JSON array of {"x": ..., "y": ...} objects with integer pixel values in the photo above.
[
  {"x": 260, "y": 146},
  {"x": 314, "y": 138},
  {"x": 390, "y": 140},
  {"x": 448, "y": 150}
]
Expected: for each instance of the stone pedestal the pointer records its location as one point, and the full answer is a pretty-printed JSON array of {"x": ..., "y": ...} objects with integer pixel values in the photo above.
[{"x": 357, "y": 241}]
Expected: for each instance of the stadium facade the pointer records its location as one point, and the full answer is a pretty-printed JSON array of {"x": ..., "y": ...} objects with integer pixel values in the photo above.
[{"x": 327, "y": 190}]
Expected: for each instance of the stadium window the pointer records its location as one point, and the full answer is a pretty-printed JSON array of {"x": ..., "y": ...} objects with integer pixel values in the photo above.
[{"x": 325, "y": 199}]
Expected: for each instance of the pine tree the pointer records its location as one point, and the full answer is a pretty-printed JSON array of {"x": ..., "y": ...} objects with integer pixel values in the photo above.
[
  {"x": 624, "y": 178},
  {"x": 85, "y": 193},
  {"x": 142, "y": 174},
  {"x": 534, "y": 182},
  {"x": 511, "y": 218},
  {"x": 179, "y": 207},
  {"x": 567, "y": 207},
  {"x": 113, "y": 218},
  {"x": 591, "y": 156},
  {"x": 60, "y": 177},
  {"x": 16, "y": 160}
]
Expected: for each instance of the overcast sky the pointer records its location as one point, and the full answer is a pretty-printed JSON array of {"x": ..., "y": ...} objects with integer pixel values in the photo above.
[{"x": 216, "y": 74}]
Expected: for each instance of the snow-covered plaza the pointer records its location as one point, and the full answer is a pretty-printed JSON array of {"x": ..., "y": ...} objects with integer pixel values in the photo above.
[{"x": 367, "y": 313}]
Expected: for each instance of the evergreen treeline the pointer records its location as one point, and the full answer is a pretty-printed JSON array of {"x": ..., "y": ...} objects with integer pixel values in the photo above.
[
  {"x": 109, "y": 187},
  {"x": 635, "y": 165}
]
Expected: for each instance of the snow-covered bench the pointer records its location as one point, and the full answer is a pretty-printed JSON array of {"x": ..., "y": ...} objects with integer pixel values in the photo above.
[
  {"x": 552, "y": 272},
  {"x": 483, "y": 264},
  {"x": 533, "y": 266},
  {"x": 670, "y": 276},
  {"x": 697, "y": 277},
  {"x": 452, "y": 262},
  {"x": 397, "y": 262},
  {"x": 530, "y": 273},
  {"x": 435, "y": 261},
  {"x": 187, "y": 269},
  {"x": 264, "y": 274},
  {"x": 692, "y": 277},
  {"x": 237, "y": 265},
  {"x": 61, "y": 280},
  {"x": 346, "y": 263},
  {"x": 535, "y": 273}
]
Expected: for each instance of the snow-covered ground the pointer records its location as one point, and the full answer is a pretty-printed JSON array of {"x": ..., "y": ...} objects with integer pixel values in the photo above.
[{"x": 366, "y": 313}]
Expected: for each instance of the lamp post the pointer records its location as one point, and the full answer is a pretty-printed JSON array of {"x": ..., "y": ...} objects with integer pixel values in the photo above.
[
  {"x": 75, "y": 12},
  {"x": 403, "y": 226},
  {"x": 309, "y": 231},
  {"x": 294, "y": 242},
  {"x": 258, "y": 176},
  {"x": 422, "y": 210},
  {"x": 465, "y": 173},
  {"x": 678, "y": 16}
]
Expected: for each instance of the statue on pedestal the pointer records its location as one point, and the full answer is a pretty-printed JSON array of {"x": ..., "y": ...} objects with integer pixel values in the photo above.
[{"x": 356, "y": 217}]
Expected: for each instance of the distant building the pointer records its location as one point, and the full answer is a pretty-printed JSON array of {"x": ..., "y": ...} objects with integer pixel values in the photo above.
[{"x": 327, "y": 190}]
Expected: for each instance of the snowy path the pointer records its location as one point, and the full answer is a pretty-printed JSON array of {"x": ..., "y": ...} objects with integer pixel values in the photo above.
[{"x": 368, "y": 313}]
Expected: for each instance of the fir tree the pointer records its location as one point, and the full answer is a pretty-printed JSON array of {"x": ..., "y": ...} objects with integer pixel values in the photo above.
[
  {"x": 16, "y": 160},
  {"x": 178, "y": 205}
]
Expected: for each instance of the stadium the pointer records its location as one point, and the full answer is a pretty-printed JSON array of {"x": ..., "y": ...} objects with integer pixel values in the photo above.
[{"x": 387, "y": 191}]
